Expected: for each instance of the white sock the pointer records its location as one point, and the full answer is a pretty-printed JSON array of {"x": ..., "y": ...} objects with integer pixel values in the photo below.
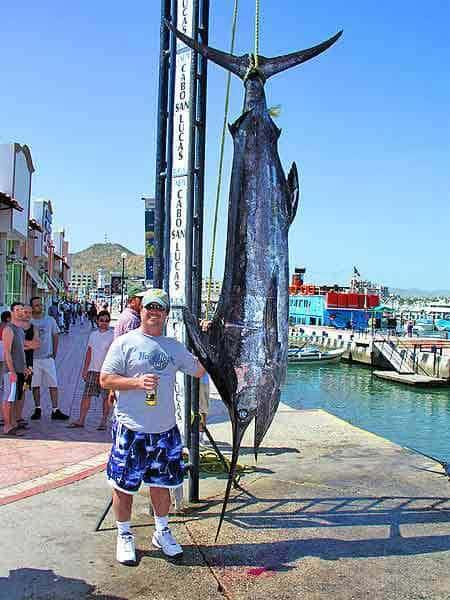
[
  {"x": 123, "y": 527},
  {"x": 161, "y": 522}
]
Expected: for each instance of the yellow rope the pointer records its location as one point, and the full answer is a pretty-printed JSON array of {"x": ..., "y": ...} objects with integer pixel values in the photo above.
[
  {"x": 256, "y": 33},
  {"x": 222, "y": 148}
]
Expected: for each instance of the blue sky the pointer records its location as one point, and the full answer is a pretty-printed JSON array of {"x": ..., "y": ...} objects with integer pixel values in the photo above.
[{"x": 367, "y": 123}]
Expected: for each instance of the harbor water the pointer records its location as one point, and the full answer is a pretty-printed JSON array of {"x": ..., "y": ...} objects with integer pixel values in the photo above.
[{"x": 413, "y": 417}]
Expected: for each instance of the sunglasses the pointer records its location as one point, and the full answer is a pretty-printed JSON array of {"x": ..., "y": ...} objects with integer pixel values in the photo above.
[
  {"x": 104, "y": 320},
  {"x": 155, "y": 306}
]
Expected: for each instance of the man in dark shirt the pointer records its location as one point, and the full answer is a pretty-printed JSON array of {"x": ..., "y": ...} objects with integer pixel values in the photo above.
[{"x": 31, "y": 335}]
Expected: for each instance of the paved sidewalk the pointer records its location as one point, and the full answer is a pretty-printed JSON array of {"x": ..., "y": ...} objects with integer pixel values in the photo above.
[
  {"x": 50, "y": 454},
  {"x": 331, "y": 512}
]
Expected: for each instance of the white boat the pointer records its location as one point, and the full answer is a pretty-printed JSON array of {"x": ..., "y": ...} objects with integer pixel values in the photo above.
[{"x": 306, "y": 355}]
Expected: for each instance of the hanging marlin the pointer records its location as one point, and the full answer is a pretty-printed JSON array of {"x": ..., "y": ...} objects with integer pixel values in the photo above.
[{"x": 245, "y": 348}]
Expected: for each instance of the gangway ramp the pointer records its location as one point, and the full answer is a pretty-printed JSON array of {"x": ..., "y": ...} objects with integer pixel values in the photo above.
[{"x": 400, "y": 361}]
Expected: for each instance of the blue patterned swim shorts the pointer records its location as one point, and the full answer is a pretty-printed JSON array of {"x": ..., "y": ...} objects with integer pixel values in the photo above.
[{"x": 154, "y": 459}]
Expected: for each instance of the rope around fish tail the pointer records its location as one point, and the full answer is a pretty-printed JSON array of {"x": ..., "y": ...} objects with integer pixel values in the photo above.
[{"x": 256, "y": 33}]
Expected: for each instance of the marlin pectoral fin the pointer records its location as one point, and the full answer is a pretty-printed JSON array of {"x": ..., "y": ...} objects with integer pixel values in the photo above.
[
  {"x": 236, "y": 64},
  {"x": 234, "y": 127},
  {"x": 294, "y": 192},
  {"x": 272, "y": 66},
  {"x": 217, "y": 364},
  {"x": 271, "y": 317},
  {"x": 264, "y": 418}
]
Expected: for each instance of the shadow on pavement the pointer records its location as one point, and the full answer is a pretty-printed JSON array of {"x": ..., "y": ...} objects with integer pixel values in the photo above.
[
  {"x": 39, "y": 584},
  {"x": 250, "y": 513},
  {"x": 279, "y": 556},
  {"x": 268, "y": 451}
]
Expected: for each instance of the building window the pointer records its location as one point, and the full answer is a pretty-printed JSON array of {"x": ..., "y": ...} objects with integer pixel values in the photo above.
[{"x": 13, "y": 283}]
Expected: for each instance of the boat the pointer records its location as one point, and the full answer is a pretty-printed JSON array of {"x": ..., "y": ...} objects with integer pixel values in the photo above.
[{"x": 307, "y": 355}]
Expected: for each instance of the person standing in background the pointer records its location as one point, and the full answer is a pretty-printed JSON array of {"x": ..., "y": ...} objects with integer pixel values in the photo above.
[
  {"x": 130, "y": 318},
  {"x": 203, "y": 405},
  {"x": 4, "y": 319},
  {"x": 98, "y": 345},
  {"x": 92, "y": 314},
  {"x": 44, "y": 367},
  {"x": 31, "y": 343},
  {"x": 13, "y": 346}
]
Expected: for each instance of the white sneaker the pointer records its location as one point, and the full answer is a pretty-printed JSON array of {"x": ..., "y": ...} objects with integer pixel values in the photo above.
[
  {"x": 126, "y": 550},
  {"x": 168, "y": 544}
]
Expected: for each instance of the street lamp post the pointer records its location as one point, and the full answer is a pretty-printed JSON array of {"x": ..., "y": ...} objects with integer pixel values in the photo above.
[{"x": 123, "y": 256}]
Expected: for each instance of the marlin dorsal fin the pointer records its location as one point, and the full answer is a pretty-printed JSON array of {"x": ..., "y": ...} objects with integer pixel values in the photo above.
[{"x": 294, "y": 192}]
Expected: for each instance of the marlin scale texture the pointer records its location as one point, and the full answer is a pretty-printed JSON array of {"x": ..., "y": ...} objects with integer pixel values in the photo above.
[{"x": 245, "y": 348}]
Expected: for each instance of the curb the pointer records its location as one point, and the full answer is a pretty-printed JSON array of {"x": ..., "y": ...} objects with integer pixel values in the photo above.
[{"x": 65, "y": 476}]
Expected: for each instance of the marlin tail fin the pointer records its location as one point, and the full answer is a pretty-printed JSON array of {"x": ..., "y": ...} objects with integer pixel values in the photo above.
[
  {"x": 272, "y": 66},
  {"x": 243, "y": 65}
]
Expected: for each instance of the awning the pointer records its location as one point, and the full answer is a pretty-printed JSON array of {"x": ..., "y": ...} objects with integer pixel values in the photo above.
[
  {"x": 381, "y": 309},
  {"x": 59, "y": 285},
  {"x": 10, "y": 202},
  {"x": 41, "y": 285},
  {"x": 51, "y": 283}
]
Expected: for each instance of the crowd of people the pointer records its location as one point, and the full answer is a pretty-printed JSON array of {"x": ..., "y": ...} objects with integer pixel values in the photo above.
[
  {"x": 132, "y": 368},
  {"x": 29, "y": 339},
  {"x": 29, "y": 344},
  {"x": 67, "y": 313}
]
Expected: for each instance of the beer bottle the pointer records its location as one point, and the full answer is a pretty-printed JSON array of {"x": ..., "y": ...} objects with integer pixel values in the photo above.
[{"x": 151, "y": 397}]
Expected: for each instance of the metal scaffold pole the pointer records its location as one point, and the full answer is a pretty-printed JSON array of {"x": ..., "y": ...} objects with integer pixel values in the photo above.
[
  {"x": 179, "y": 191},
  {"x": 161, "y": 145},
  {"x": 198, "y": 204}
]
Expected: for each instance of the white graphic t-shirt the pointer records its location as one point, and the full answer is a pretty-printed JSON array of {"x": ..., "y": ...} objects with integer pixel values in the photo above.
[
  {"x": 134, "y": 354},
  {"x": 99, "y": 341}
]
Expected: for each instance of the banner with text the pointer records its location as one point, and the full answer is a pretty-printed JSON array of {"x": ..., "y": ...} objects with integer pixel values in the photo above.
[{"x": 183, "y": 115}]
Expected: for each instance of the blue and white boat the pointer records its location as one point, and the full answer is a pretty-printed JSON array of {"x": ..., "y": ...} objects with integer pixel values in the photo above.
[{"x": 308, "y": 355}]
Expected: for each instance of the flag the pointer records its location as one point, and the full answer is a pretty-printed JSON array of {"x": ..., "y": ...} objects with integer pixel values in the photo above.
[{"x": 356, "y": 272}]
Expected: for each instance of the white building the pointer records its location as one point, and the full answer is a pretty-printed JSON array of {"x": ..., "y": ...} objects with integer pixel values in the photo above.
[{"x": 81, "y": 283}]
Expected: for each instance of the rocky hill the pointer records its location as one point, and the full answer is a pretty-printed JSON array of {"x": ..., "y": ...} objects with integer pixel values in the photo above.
[{"x": 107, "y": 256}]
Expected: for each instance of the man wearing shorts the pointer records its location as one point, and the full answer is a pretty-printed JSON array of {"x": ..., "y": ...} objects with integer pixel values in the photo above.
[
  {"x": 14, "y": 353},
  {"x": 44, "y": 368},
  {"x": 141, "y": 366},
  {"x": 98, "y": 345}
]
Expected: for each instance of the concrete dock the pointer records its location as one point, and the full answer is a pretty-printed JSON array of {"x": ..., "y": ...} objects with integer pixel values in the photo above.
[
  {"x": 331, "y": 511},
  {"x": 410, "y": 378}
]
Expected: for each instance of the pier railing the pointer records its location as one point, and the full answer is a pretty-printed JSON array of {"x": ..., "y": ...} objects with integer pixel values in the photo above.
[{"x": 401, "y": 358}]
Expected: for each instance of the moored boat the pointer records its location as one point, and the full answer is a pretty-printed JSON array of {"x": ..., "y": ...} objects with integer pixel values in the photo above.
[{"x": 307, "y": 355}]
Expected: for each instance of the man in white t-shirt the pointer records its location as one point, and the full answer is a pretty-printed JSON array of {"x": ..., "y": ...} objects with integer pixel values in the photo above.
[
  {"x": 44, "y": 367},
  {"x": 141, "y": 366},
  {"x": 98, "y": 345}
]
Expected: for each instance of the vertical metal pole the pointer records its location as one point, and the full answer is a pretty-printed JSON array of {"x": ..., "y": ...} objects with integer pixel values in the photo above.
[
  {"x": 172, "y": 68},
  {"x": 190, "y": 414},
  {"x": 161, "y": 146},
  {"x": 198, "y": 177},
  {"x": 122, "y": 286}
]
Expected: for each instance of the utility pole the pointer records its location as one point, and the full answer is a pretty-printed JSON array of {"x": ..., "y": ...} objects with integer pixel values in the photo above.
[{"x": 123, "y": 256}]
